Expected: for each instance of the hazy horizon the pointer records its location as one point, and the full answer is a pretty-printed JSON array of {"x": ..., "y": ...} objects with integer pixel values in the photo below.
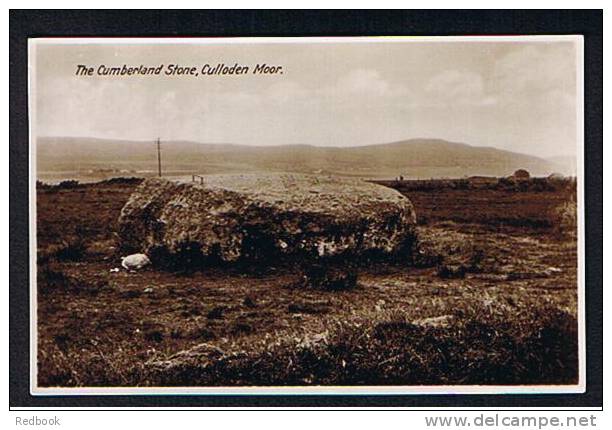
[
  {"x": 418, "y": 138},
  {"x": 513, "y": 96}
]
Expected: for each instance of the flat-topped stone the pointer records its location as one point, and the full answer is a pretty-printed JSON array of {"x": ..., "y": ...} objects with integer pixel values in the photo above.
[{"x": 265, "y": 217}]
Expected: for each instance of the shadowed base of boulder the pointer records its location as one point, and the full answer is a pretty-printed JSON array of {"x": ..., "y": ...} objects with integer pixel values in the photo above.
[{"x": 325, "y": 273}]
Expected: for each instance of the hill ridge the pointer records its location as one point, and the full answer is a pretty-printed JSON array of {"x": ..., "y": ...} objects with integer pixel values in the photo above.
[{"x": 416, "y": 157}]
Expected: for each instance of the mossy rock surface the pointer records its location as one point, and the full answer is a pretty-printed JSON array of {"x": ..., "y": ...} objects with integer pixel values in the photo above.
[{"x": 265, "y": 217}]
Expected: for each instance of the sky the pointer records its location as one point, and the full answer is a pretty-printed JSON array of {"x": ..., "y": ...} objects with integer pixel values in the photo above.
[{"x": 518, "y": 96}]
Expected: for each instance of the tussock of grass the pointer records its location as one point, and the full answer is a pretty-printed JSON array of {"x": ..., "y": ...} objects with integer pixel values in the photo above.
[
  {"x": 479, "y": 346},
  {"x": 51, "y": 279},
  {"x": 71, "y": 249},
  {"x": 565, "y": 219},
  {"x": 327, "y": 277},
  {"x": 479, "y": 342}
]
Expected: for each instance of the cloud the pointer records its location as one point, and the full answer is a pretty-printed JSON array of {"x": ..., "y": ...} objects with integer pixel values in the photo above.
[
  {"x": 535, "y": 69},
  {"x": 541, "y": 82},
  {"x": 514, "y": 96},
  {"x": 363, "y": 81},
  {"x": 454, "y": 87},
  {"x": 287, "y": 92}
]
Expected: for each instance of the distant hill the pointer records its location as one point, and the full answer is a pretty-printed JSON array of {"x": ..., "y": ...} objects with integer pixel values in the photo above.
[
  {"x": 415, "y": 158},
  {"x": 564, "y": 164}
]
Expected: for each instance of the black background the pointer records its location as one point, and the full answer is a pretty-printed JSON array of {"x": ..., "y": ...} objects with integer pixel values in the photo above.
[{"x": 158, "y": 23}]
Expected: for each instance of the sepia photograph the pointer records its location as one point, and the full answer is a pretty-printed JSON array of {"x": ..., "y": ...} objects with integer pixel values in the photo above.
[{"x": 316, "y": 215}]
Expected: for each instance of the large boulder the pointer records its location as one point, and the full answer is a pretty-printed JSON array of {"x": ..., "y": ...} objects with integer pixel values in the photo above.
[{"x": 255, "y": 217}]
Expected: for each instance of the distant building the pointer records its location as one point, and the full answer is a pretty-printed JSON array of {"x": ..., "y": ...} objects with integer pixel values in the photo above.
[
  {"x": 521, "y": 174},
  {"x": 556, "y": 176}
]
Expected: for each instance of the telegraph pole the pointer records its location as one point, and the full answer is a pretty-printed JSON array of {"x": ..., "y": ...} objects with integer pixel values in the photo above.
[{"x": 159, "y": 157}]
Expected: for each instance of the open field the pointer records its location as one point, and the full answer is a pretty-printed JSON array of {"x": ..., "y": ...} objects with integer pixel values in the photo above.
[{"x": 488, "y": 297}]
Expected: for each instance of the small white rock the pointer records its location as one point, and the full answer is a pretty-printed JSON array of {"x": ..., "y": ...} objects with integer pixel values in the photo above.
[{"x": 135, "y": 261}]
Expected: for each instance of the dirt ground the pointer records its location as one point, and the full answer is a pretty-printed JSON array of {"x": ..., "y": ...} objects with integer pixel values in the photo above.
[{"x": 98, "y": 326}]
